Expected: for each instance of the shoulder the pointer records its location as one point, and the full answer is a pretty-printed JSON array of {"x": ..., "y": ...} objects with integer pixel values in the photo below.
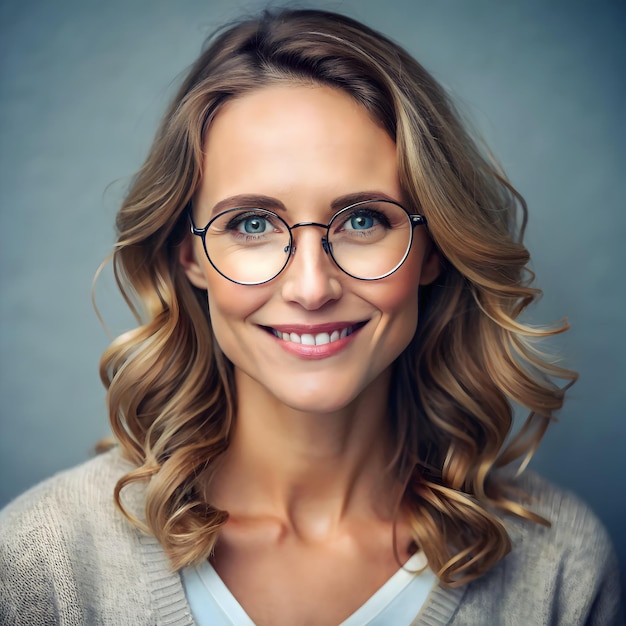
[
  {"x": 564, "y": 573},
  {"x": 69, "y": 486},
  {"x": 65, "y": 548},
  {"x": 574, "y": 527},
  {"x": 71, "y": 502}
]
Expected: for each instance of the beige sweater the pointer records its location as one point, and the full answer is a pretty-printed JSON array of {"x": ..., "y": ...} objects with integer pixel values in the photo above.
[{"x": 67, "y": 556}]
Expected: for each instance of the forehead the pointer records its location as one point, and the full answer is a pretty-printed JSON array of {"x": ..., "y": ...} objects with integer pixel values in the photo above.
[{"x": 296, "y": 141}]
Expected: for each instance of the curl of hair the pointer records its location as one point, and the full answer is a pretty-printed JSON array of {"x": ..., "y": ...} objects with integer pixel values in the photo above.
[{"x": 170, "y": 394}]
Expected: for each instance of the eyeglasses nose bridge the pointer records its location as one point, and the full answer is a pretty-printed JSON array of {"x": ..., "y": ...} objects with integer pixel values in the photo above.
[{"x": 326, "y": 245}]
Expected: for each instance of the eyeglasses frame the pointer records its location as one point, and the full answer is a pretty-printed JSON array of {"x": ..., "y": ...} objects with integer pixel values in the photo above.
[{"x": 415, "y": 219}]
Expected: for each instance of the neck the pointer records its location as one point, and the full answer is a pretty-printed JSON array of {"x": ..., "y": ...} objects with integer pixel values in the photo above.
[{"x": 311, "y": 471}]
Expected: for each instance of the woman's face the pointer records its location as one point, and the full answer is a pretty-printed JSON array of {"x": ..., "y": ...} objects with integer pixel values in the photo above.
[{"x": 303, "y": 148}]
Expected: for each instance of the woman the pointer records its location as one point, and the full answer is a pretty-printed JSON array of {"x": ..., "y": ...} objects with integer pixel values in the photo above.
[{"x": 313, "y": 412}]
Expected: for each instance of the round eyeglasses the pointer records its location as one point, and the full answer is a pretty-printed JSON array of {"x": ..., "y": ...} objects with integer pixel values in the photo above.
[{"x": 368, "y": 240}]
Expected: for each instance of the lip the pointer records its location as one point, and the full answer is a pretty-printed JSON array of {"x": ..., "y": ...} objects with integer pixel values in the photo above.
[{"x": 346, "y": 332}]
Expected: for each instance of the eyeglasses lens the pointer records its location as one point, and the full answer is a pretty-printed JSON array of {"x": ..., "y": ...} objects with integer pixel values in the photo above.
[{"x": 370, "y": 240}]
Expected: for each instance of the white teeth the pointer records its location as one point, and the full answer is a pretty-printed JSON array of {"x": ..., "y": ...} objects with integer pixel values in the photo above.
[
  {"x": 309, "y": 339},
  {"x": 321, "y": 339}
]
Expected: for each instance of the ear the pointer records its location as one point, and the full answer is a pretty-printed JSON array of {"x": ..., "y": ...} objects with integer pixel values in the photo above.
[
  {"x": 189, "y": 262},
  {"x": 431, "y": 265}
]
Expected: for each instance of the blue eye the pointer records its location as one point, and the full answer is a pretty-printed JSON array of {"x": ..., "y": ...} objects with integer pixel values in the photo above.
[
  {"x": 361, "y": 222},
  {"x": 253, "y": 225},
  {"x": 250, "y": 223},
  {"x": 364, "y": 219}
]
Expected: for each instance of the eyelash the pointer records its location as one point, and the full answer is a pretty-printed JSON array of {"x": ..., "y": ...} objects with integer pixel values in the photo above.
[
  {"x": 378, "y": 216},
  {"x": 236, "y": 221}
]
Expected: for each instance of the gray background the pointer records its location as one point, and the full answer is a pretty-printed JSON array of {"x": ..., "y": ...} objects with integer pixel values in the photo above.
[{"x": 83, "y": 84}]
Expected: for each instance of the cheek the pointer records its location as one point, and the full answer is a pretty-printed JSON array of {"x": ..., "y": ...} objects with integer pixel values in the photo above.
[
  {"x": 398, "y": 302},
  {"x": 399, "y": 293},
  {"x": 401, "y": 296},
  {"x": 395, "y": 329},
  {"x": 401, "y": 307},
  {"x": 229, "y": 306}
]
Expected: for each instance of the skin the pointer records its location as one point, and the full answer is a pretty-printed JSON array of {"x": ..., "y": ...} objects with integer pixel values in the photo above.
[{"x": 312, "y": 506}]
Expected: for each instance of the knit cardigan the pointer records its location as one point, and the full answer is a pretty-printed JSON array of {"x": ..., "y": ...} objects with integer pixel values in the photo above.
[{"x": 68, "y": 557}]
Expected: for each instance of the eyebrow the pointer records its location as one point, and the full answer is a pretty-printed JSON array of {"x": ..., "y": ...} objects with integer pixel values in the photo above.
[
  {"x": 267, "y": 202},
  {"x": 243, "y": 201},
  {"x": 352, "y": 198}
]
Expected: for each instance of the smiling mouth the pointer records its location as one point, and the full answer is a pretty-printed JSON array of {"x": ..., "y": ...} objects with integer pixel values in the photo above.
[{"x": 316, "y": 339}]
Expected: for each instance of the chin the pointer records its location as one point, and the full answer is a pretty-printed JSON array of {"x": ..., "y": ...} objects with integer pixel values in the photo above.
[{"x": 322, "y": 402}]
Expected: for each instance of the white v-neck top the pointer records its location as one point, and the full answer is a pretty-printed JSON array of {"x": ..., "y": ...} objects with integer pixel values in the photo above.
[{"x": 397, "y": 602}]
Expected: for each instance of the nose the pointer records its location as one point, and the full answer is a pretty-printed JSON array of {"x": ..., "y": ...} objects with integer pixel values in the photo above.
[{"x": 311, "y": 279}]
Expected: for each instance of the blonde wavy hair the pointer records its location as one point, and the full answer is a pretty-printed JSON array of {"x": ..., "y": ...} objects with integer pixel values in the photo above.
[{"x": 171, "y": 395}]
